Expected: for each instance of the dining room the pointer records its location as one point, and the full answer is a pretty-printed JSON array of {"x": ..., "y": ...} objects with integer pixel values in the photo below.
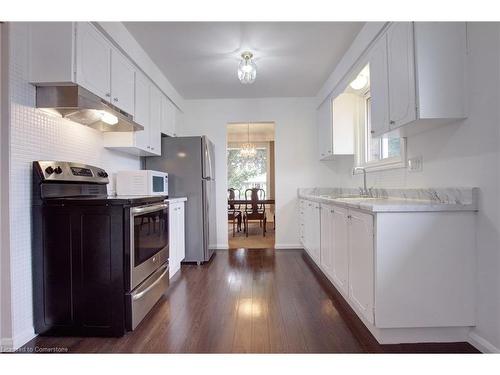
[{"x": 251, "y": 220}]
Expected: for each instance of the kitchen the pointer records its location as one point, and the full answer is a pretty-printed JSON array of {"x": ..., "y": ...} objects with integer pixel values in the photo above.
[{"x": 386, "y": 188}]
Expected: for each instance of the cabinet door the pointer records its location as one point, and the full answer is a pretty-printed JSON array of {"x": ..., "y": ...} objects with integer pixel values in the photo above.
[
  {"x": 325, "y": 130},
  {"x": 173, "y": 239},
  {"x": 155, "y": 120},
  {"x": 302, "y": 208},
  {"x": 401, "y": 74},
  {"x": 327, "y": 238},
  {"x": 340, "y": 249},
  {"x": 141, "y": 137},
  {"x": 344, "y": 120},
  {"x": 307, "y": 226},
  {"x": 122, "y": 82},
  {"x": 167, "y": 117},
  {"x": 93, "y": 59},
  {"x": 316, "y": 233},
  {"x": 181, "y": 233},
  {"x": 379, "y": 88},
  {"x": 361, "y": 277}
]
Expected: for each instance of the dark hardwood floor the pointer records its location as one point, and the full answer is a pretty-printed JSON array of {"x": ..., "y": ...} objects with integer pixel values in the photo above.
[{"x": 248, "y": 301}]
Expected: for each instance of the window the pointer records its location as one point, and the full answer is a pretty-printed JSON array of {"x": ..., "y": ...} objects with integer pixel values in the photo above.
[
  {"x": 247, "y": 172},
  {"x": 384, "y": 152}
]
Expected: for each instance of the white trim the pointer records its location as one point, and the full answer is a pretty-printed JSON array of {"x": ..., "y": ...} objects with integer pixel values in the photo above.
[
  {"x": 284, "y": 246},
  {"x": 8, "y": 344},
  {"x": 482, "y": 344},
  {"x": 221, "y": 247}
]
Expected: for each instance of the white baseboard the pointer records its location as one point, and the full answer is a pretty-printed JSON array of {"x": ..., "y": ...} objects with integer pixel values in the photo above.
[
  {"x": 221, "y": 246},
  {"x": 482, "y": 344},
  {"x": 284, "y": 246},
  {"x": 8, "y": 344}
]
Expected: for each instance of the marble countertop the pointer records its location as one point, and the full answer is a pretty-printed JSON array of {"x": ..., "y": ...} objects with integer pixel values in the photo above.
[{"x": 397, "y": 200}]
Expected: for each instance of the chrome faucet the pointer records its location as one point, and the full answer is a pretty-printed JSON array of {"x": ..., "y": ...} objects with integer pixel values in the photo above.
[{"x": 364, "y": 190}]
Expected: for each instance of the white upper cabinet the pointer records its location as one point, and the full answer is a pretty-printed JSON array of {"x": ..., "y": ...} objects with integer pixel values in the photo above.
[
  {"x": 335, "y": 125},
  {"x": 122, "y": 82},
  {"x": 145, "y": 142},
  {"x": 168, "y": 117},
  {"x": 93, "y": 60},
  {"x": 155, "y": 96},
  {"x": 325, "y": 130},
  {"x": 440, "y": 55},
  {"x": 379, "y": 87},
  {"x": 401, "y": 74},
  {"x": 142, "y": 110},
  {"x": 418, "y": 76}
]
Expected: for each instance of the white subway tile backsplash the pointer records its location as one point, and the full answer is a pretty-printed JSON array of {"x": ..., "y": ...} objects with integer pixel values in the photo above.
[{"x": 37, "y": 136}]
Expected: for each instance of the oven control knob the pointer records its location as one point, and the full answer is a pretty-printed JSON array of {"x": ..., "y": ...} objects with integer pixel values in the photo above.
[
  {"x": 102, "y": 174},
  {"x": 58, "y": 170},
  {"x": 49, "y": 170}
]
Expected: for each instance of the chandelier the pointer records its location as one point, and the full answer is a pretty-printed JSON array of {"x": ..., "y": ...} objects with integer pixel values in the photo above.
[
  {"x": 248, "y": 150},
  {"x": 247, "y": 70}
]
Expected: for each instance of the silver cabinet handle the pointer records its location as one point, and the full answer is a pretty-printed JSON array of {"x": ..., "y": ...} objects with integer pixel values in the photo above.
[
  {"x": 140, "y": 294},
  {"x": 392, "y": 122},
  {"x": 108, "y": 95},
  {"x": 146, "y": 209},
  {"x": 115, "y": 99}
]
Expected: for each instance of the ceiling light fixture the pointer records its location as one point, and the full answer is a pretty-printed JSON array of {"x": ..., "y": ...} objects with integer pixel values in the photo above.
[
  {"x": 248, "y": 150},
  {"x": 247, "y": 70},
  {"x": 361, "y": 80}
]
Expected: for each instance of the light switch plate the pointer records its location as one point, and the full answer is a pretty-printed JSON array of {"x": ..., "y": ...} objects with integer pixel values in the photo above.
[{"x": 415, "y": 164}]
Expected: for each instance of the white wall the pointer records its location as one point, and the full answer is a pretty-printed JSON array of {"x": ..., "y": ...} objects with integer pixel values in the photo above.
[
  {"x": 297, "y": 164},
  {"x": 466, "y": 153},
  {"x": 36, "y": 136}
]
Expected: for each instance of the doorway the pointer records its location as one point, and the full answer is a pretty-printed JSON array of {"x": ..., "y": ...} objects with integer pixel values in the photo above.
[{"x": 251, "y": 215}]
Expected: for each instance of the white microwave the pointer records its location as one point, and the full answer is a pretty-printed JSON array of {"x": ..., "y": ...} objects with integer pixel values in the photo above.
[{"x": 144, "y": 182}]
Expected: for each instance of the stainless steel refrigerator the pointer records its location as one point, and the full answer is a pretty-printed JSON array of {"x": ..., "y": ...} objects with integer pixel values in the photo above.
[{"x": 190, "y": 164}]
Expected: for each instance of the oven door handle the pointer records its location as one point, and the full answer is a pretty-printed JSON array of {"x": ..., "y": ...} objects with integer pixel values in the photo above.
[
  {"x": 143, "y": 292},
  {"x": 144, "y": 210}
]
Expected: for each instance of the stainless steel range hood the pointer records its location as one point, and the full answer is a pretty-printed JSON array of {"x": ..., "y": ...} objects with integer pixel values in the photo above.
[{"x": 79, "y": 105}]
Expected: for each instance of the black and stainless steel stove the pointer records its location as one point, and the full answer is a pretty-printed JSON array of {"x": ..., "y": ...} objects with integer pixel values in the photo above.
[{"x": 100, "y": 262}]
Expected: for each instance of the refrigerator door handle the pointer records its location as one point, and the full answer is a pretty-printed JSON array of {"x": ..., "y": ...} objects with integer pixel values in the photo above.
[{"x": 207, "y": 152}]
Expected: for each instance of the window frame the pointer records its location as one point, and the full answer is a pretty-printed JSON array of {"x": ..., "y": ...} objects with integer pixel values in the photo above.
[
  {"x": 259, "y": 145},
  {"x": 363, "y": 145}
]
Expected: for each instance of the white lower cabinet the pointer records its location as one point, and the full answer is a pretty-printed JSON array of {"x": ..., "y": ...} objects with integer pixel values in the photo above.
[
  {"x": 311, "y": 230},
  {"x": 340, "y": 249},
  {"x": 177, "y": 236},
  {"x": 361, "y": 262},
  {"x": 347, "y": 254},
  {"x": 398, "y": 270}
]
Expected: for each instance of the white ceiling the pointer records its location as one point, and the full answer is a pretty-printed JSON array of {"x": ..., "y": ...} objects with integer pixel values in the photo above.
[
  {"x": 259, "y": 132},
  {"x": 201, "y": 58}
]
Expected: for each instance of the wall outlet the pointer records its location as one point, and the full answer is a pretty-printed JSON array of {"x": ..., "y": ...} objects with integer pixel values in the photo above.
[{"x": 415, "y": 164}]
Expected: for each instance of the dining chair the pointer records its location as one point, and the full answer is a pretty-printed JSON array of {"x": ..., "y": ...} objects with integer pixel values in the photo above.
[
  {"x": 233, "y": 210},
  {"x": 255, "y": 210}
]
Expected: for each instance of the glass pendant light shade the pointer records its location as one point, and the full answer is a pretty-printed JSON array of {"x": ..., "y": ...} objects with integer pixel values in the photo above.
[
  {"x": 248, "y": 150},
  {"x": 247, "y": 70}
]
